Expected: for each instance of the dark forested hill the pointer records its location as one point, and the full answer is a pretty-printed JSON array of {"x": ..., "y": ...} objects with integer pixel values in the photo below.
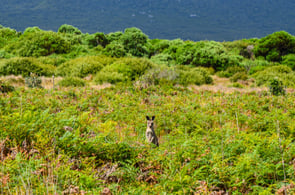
[{"x": 165, "y": 19}]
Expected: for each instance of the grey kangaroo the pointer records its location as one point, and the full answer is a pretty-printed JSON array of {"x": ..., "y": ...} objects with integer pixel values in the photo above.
[{"x": 150, "y": 132}]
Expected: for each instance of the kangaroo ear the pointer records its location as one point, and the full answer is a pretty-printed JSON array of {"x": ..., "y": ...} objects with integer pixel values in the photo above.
[
  {"x": 153, "y": 117},
  {"x": 147, "y": 117}
]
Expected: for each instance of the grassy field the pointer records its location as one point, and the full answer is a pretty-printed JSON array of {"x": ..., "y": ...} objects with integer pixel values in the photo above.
[{"x": 213, "y": 139}]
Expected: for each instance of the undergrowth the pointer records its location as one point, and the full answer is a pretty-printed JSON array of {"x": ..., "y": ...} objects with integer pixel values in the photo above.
[{"x": 82, "y": 140}]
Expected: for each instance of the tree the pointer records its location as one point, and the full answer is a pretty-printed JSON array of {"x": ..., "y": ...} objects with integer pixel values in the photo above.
[
  {"x": 40, "y": 43},
  {"x": 276, "y": 45},
  {"x": 98, "y": 38},
  {"x": 115, "y": 49},
  {"x": 134, "y": 41},
  {"x": 66, "y": 28}
]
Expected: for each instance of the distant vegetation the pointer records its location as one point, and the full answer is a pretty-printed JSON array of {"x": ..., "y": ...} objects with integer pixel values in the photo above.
[
  {"x": 130, "y": 55},
  {"x": 84, "y": 132}
]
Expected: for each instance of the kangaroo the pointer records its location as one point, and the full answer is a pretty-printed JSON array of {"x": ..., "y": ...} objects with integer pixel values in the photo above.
[{"x": 150, "y": 132}]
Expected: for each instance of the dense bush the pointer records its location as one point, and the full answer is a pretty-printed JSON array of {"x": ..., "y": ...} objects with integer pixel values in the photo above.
[
  {"x": 276, "y": 45},
  {"x": 276, "y": 87},
  {"x": 268, "y": 74},
  {"x": 289, "y": 60},
  {"x": 7, "y": 35},
  {"x": 115, "y": 49},
  {"x": 97, "y": 39},
  {"x": 66, "y": 28},
  {"x": 207, "y": 54},
  {"x": 134, "y": 41},
  {"x": 125, "y": 69},
  {"x": 40, "y": 43},
  {"x": 159, "y": 75},
  {"x": 72, "y": 82},
  {"x": 239, "y": 76},
  {"x": 176, "y": 75},
  {"x": 83, "y": 66},
  {"x": 106, "y": 76},
  {"x": 232, "y": 70},
  {"x": 25, "y": 66}
]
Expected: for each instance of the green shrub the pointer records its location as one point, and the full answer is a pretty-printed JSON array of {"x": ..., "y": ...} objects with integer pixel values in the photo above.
[
  {"x": 7, "y": 35},
  {"x": 25, "y": 66},
  {"x": 72, "y": 82},
  {"x": 224, "y": 74},
  {"x": 66, "y": 28},
  {"x": 83, "y": 66},
  {"x": 96, "y": 39},
  {"x": 289, "y": 60},
  {"x": 187, "y": 77},
  {"x": 40, "y": 43},
  {"x": 239, "y": 76},
  {"x": 197, "y": 76},
  {"x": 255, "y": 69},
  {"x": 268, "y": 74},
  {"x": 276, "y": 45},
  {"x": 134, "y": 41},
  {"x": 276, "y": 87},
  {"x": 231, "y": 70},
  {"x": 237, "y": 85},
  {"x": 206, "y": 54},
  {"x": 109, "y": 77},
  {"x": 52, "y": 60},
  {"x": 115, "y": 49},
  {"x": 163, "y": 59},
  {"x": 33, "y": 29},
  {"x": 159, "y": 75},
  {"x": 135, "y": 66},
  {"x": 124, "y": 69}
]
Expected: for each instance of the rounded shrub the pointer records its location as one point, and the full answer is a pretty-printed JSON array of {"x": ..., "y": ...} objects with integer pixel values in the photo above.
[
  {"x": 115, "y": 49},
  {"x": 25, "y": 66},
  {"x": 276, "y": 87},
  {"x": 268, "y": 74},
  {"x": 66, "y": 28},
  {"x": 83, "y": 66},
  {"x": 72, "y": 82},
  {"x": 239, "y": 76},
  {"x": 197, "y": 76},
  {"x": 109, "y": 77},
  {"x": 39, "y": 43}
]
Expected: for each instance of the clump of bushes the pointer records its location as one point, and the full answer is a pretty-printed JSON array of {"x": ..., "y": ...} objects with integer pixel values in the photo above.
[
  {"x": 72, "y": 82},
  {"x": 125, "y": 69},
  {"x": 83, "y": 66},
  {"x": 25, "y": 66},
  {"x": 109, "y": 77},
  {"x": 276, "y": 87},
  {"x": 239, "y": 76},
  {"x": 267, "y": 75},
  {"x": 230, "y": 71},
  {"x": 39, "y": 43},
  {"x": 176, "y": 75},
  {"x": 197, "y": 76},
  {"x": 159, "y": 75}
]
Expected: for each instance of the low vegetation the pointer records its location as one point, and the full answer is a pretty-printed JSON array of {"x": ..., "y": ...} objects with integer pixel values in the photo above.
[{"x": 74, "y": 135}]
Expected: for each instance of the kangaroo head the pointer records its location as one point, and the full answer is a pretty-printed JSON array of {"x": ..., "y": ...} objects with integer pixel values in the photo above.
[{"x": 150, "y": 122}]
